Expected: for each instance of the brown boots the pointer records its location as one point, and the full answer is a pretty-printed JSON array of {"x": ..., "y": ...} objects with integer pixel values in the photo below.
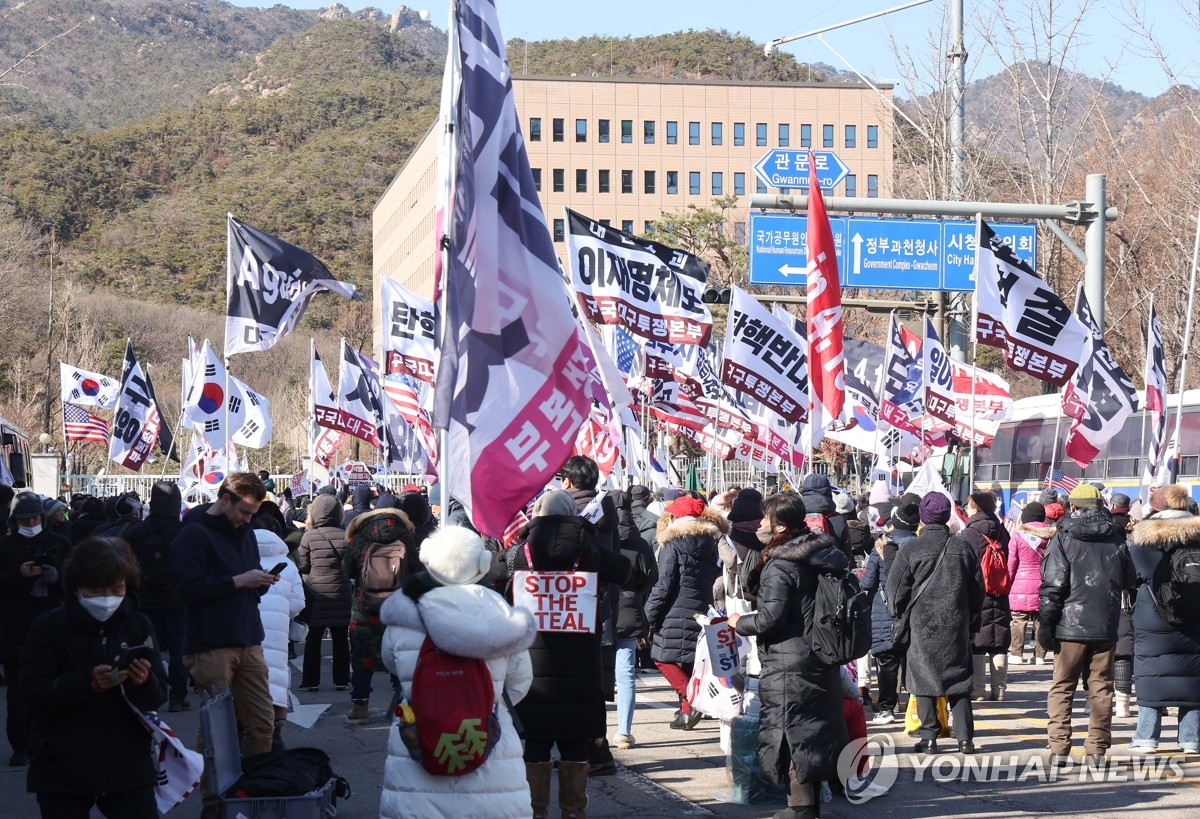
[{"x": 572, "y": 788}]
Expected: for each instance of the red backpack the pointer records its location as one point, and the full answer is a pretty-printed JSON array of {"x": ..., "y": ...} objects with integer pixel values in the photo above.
[
  {"x": 454, "y": 711},
  {"x": 994, "y": 564},
  {"x": 816, "y": 522}
]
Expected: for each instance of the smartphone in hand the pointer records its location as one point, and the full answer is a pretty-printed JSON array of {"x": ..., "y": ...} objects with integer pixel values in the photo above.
[
  {"x": 142, "y": 652},
  {"x": 279, "y": 567}
]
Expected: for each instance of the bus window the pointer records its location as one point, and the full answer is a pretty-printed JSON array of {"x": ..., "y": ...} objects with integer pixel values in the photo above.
[
  {"x": 1122, "y": 468},
  {"x": 1003, "y": 472},
  {"x": 1094, "y": 470},
  {"x": 984, "y": 473},
  {"x": 1025, "y": 472},
  {"x": 1190, "y": 466}
]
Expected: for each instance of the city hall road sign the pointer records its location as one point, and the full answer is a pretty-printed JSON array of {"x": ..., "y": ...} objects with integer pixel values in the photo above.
[
  {"x": 878, "y": 253},
  {"x": 789, "y": 169}
]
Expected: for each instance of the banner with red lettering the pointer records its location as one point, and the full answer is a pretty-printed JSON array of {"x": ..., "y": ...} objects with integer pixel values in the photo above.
[
  {"x": 409, "y": 332},
  {"x": 765, "y": 358},
  {"x": 824, "y": 314},
  {"x": 563, "y": 602}
]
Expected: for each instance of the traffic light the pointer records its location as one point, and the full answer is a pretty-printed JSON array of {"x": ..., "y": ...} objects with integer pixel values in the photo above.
[{"x": 716, "y": 295}]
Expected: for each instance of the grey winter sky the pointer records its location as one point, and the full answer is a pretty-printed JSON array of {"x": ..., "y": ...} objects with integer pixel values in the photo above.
[{"x": 1109, "y": 43}]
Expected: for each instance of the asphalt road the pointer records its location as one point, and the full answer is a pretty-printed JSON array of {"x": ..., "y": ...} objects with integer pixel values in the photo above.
[{"x": 674, "y": 773}]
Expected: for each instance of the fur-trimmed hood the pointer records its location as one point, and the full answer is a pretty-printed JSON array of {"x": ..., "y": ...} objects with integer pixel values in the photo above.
[
  {"x": 362, "y": 521},
  {"x": 470, "y": 621},
  {"x": 1042, "y": 531},
  {"x": 1161, "y": 531},
  {"x": 711, "y": 523},
  {"x": 817, "y": 550}
]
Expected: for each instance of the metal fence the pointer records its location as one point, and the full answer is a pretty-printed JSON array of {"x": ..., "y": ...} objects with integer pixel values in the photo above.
[{"x": 106, "y": 485}]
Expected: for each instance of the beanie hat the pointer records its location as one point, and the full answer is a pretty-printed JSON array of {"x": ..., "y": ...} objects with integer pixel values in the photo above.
[
  {"x": 1048, "y": 497},
  {"x": 1120, "y": 503},
  {"x": 1033, "y": 512},
  {"x": 27, "y": 505},
  {"x": 557, "y": 502},
  {"x": 127, "y": 507},
  {"x": 52, "y": 505},
  {"x": 640, "y": 494},
  {"x": 671, "y": 493},
  {"x": 455, "y": 556},
  {"x": 844, "y": 504},
  {"x": 879, "y": 492},
  {"x": 1085, "y": 495},
  {"x": 935, "y": 508},
  {"x": 685, "y": 507},
  {"x": 907, "y": 510},
  {"x": 1054, "y": 511},
  {"x": 1173, "y": 496},
  {"x": 746, "y": 506}
]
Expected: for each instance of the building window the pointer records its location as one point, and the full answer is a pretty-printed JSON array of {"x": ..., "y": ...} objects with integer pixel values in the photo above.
[
  {"x": 693, "y": 133},
  {"x": 718, "y": 183},
  {"x": 559, "y": 184},
  {"x": 606, "y": 222},
  {"x": 739, "y": 232},
  {"x": 760, "y": 134},
  {"x": 739, "y": 133},
  {"x": 785, "y": 135},
  {"x": 602, "y": 131},
  {"x": 826, "y": 136},
  {"x": 872, "y": 185},
  {"x": 805, "y": 136},
  {"x": 739, "y": 183},
  {"x": 672, "y": 182},
  {"x": 537, "y": 179},
  {"x": 602, "y": 181},
  {"x": 851, "y": 184},
  {"x": 717, "y": 133},
  {"x": 872, "y": 136},
  {"x": 694, "y": 183},
  {"x": 649, "y": 182},
  {"x": 558, "y": 129},
  {"x": 626, "y": 131},
  {"x": 581, "y": 130},
  {"x": 559, "y": 230},
  {"x": 626, "y": 181},
  {"x": 535, "y": 129},
  {"x": 627, "y": 225},
  {"x": 759, "y": 185},
  {"x": 580, "y": 180},
  {"x": 648, "y": 132},
  {"x": 851, "y": 136},
  {"x": 649, "y": 228},
  {"x": 672, "y": 133}
]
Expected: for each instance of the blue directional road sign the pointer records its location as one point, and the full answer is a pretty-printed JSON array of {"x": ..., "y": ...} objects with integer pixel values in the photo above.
[
  {"x": 779, "y": 247},
  {"x": 957, "y": 275},
  {"x": 878, "y": 253},
  {"x": 789, "y": 169}
]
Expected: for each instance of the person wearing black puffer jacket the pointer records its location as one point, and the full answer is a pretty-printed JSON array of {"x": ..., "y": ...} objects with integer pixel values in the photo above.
[
  {"x": 991, "y": 643},
  {"x": 802, "y": 729},
  {"x": 688, "y": 532},
  {"x": 88, "y": 748},
  {"x": 632, "y": 626},
  {"x": 158, "y": 592},
  {"x": 327, "y": 592},
  {"x": 1079, "y": 606},
  {"x": 817, "y": 495},
  {"x": 647, "y": 522}
]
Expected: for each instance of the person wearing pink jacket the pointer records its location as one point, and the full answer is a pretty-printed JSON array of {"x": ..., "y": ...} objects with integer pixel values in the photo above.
[{"x": 1026, "y": 551}]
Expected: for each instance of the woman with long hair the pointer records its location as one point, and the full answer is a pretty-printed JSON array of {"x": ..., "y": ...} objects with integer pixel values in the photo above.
[{"x": 802, "y": 729}]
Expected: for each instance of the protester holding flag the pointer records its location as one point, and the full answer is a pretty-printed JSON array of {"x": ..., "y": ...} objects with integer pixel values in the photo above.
[
  {"x": 989, "y": 654},
  {"x": 565, "y": 704}
]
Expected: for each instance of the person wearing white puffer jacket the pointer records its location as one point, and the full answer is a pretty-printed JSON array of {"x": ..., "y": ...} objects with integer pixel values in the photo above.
[
  {"x": 463, "y": 618},
  {"x": 279, "y": 604}
]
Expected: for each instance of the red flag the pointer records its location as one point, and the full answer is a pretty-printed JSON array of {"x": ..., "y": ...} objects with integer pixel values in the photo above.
[{"x": 825, "y": 355}]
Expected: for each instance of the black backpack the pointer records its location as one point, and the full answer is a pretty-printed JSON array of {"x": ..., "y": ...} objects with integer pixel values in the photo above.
[
  {"x": 840, "y": 630},
  {"x": 1175, "y": 586},
  {"x": 293, "y": 772}
]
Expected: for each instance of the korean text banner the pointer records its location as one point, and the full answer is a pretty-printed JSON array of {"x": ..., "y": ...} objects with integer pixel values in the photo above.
[
  {"x": 765, "y": 359},
  {"x": 409, "y": 332},
  {"x": 653, "y": 290},
  {"x": 136, "y": 421}
]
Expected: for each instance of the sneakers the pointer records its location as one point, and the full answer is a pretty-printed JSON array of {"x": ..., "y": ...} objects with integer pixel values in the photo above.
[
  {"x": 870, "y": 791},
  {"x": 310, "y": 688},
  {"x": 1015, "y": 660},
  {"x": 176, "y": 706},
  {"x": 359, "y": 714},
  {"x": 1190, "y": 749},
  {"x": 339, "y": 688},
  {"x": 1040, "y": 661},
  {"x": 997, "y": 694},
  {"x": 884, "y": 718},
  {"x": 624, "y": 742},
  {"x": 1144, "y": 746}
]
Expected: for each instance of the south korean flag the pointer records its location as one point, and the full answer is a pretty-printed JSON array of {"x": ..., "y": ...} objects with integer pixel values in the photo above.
[
  {"x": 214, "y": 404},
  {"x": 88, "y": 389}
]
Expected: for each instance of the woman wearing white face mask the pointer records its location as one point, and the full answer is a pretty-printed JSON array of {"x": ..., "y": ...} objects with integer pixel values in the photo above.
[
  {"x": 88, "y": 748},
  {"x": 30, "y": 560}
]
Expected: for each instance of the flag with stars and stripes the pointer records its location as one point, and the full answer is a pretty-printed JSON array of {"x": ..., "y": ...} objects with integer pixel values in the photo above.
[
  {"x": 81, "y": 425},
  {"x": 510, "y": 394},
  {"x": 1055, "y": 479}
]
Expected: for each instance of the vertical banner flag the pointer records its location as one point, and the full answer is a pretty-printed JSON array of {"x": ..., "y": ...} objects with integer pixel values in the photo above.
[
  {"x": 360, "y": 410},
  {"x": 512, "y": 371},
  {"x": 1017, "y": 312},
  {"x": 902, "y": 399},
  {"x": 88, "y": 389},
  {"x": 765, "y": 358},
  {"x": 404, "y": 396},
  {"x": 81, "y": 425},
  {"x": 214, "y": 405},
  {"x": 652, "y": 289},
  {"x": 824, "y": 318},
  {"x": 1156, "y": 401},
  {"x": 136, "y": 422},
  {"x": 269, "y": 286},
  {"x": 1099, "y": 397},
  {"x": 325, "y": 436},
  {"x": 939, "y": 380},
  {"x": 255, "y": 431},
  {"x": 409, "y": 332}
]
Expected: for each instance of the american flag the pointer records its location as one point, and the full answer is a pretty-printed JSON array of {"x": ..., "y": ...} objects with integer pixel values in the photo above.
[
  {"x": 1055, "y": 479},
  {"x": 81, "y": 425},
  {"x": 514, "y": 527},
  {"x": 626, "y": 349}
]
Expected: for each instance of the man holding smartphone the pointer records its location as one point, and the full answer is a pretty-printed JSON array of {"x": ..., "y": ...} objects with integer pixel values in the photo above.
[{"x": 215, "y": 557}]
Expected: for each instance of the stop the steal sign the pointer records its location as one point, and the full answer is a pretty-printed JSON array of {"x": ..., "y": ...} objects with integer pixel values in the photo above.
[{"x": 559, "y": 601}]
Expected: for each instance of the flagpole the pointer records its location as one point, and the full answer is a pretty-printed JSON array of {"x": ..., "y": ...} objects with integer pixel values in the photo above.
[
  {"x": 974, "y": 364},
  {"x": 1143, "y": 484},
  {"x": 879, "y": 389},
  {"x": 1183, "y": 360}
]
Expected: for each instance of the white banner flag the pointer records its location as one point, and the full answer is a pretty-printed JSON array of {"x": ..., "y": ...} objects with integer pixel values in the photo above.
[
  {"x": 765, "y": 359},
  {"x": 409, "y": 332},
  {"x": 88, "y": 389},
  {"x": 214, "y": 404},
  {"x": 136, "y": 422},
  {"x": 255, "y": 432}
]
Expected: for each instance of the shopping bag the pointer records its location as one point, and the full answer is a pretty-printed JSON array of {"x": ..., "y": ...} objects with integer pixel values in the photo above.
[
  {"x": 708, "y": 693},
  {"x": 179, "y": 768},
  {"x": 723, "y": 654},
  {"x": 912, "y": 722}
]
